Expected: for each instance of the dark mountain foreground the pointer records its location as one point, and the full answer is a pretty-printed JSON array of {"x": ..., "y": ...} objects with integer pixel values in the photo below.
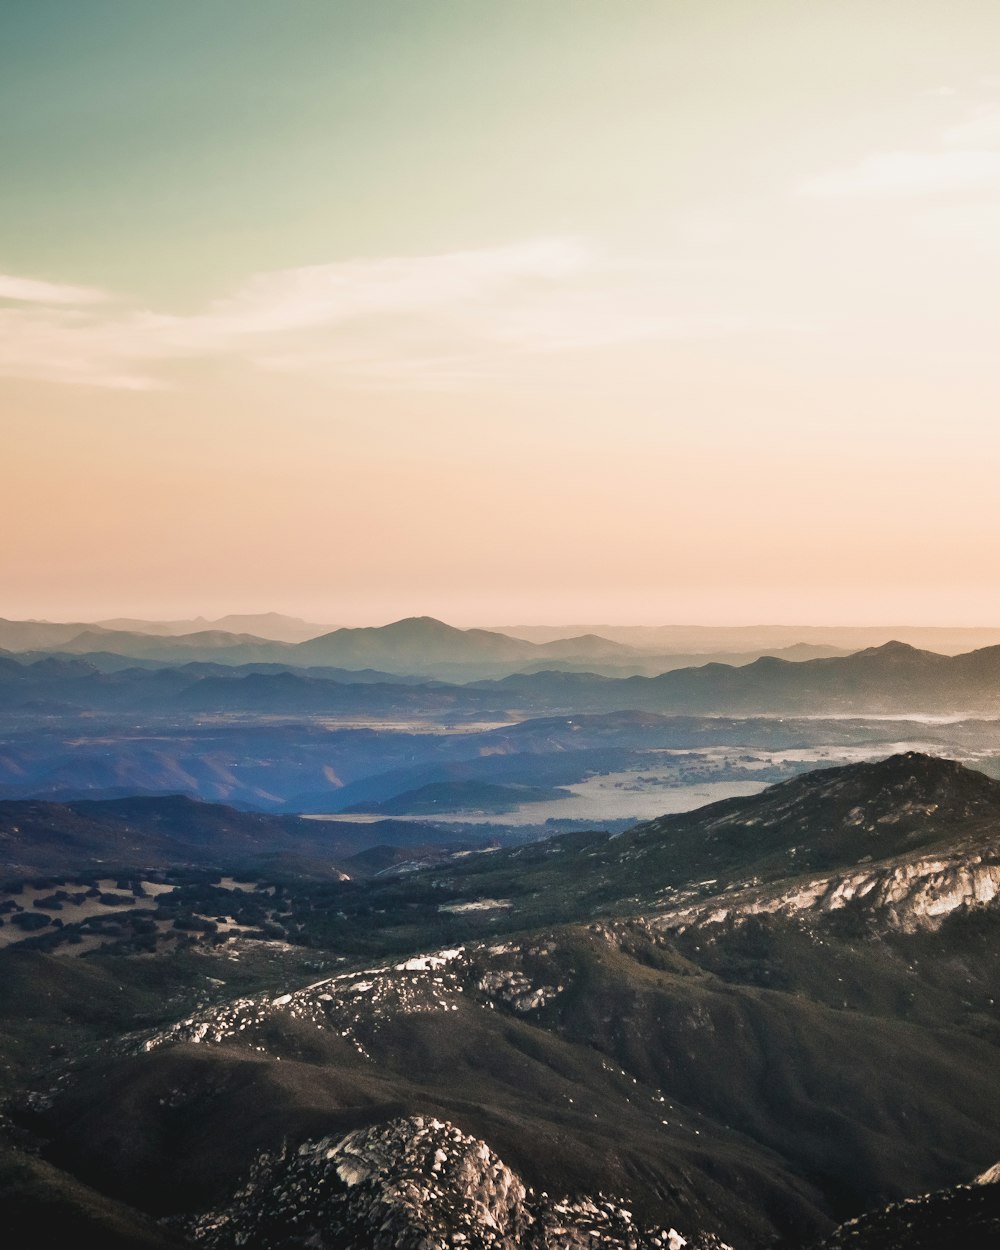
[
  {"x": 965, "y": 1216},
  {"x": 52, "y": 1208},
  {"x": 749, "y": 1023}
]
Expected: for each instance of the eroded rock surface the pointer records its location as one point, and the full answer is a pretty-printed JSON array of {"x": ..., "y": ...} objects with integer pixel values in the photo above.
[{"x": 416, "y": 1184}]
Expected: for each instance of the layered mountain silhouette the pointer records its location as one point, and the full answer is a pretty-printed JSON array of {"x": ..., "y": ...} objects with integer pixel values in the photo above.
[
  {"x": 209, "y": 644},
  {"x": 417, "y": 645},
  {"x": 886, "y": 679},
  {"x": 894, "y": 679},
  {"x": 270, "y": 625}
]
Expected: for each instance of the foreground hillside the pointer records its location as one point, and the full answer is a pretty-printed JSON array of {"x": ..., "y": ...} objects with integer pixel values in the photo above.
[{"x": 750, "y": 1022}]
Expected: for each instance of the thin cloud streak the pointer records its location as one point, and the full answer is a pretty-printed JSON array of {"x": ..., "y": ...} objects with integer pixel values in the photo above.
[
  {"x": 964, "y": 158},
  {"x": 322, "y": 295},
  {"x": 281, "y": 315},
  {"x": 909, "y": 173},
  {"x": 423, "y": 321},
  {"x": 35, "y": 291}
]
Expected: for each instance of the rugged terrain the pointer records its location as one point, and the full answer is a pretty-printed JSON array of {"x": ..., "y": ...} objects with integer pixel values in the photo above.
[{"x": 750, "y": 1022}]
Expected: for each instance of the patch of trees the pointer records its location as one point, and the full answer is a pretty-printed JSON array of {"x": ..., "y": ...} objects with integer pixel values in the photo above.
[{"x": 30, "y": 921}]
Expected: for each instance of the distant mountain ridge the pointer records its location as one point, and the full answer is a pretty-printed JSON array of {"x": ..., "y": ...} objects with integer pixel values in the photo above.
[
  {"x": 707, "y": 639},
  {"x": 206, "y": 644},
  {"x": 886, "y": 679},
  {"x": 894, "y": 680},
  {"x": 428, "y": 642},
  {"x": 273, "y": 626},
  {"x": 418, "y": 645},
  {"x": 35, "y": 635}
]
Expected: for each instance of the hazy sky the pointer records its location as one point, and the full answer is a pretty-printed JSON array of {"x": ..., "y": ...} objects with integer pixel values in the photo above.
[{"x": 501, "y": 310}]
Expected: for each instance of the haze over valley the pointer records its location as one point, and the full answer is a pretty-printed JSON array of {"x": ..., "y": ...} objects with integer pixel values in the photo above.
[{"x": 319, "y": 863}]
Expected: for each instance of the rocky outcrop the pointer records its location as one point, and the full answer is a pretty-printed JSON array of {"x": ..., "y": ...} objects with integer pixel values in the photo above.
[
  {"x": 906, "y": 896},
  {"x": 415, "y": 1184},
  {"x": 519, "y": 978},
  {"x": 354, "y": 1005}
]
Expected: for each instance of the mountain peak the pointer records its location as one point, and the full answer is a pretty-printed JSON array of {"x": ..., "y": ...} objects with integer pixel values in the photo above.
[
  {"x": 834, "y": 817},
  {"x": 422, "y": 625},
  {"x": 894, "y": 790},
  {"x": 897, "y": 652},
  {"x": 420, "y": 1182}
]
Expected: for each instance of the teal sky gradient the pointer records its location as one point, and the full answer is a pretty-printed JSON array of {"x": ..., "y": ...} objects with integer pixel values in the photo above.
[
  {"x": 139, "y": 132},
  {"x": 699, "y": 298}
]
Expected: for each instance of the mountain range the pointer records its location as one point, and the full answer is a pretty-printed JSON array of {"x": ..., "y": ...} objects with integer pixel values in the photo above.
[
  {"x": 892, "y": 679},
  {"x": 765, "y": 639},
  {"x": 35, "y": 635},
  {"x": 428, "y": 647},
  {"x": 747, "y": 1023},
  {"x": 879, "y": 680},
  {"x": 419, "y": 645},
  {"x": 270, "y": 625}
]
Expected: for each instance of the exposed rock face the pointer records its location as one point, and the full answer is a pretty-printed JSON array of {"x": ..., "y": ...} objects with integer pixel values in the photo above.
[
  {"x": 908, "y": 839},
  {"x": 930, "y": 830},
  {"x": 354, "y": 1005},
  {"x": 415, "y": 1184},
  {"x": 906, "y": 896}
]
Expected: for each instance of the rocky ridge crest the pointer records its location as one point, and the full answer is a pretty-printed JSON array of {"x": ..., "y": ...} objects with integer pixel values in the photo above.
[{"x": 415, "y": 1184}]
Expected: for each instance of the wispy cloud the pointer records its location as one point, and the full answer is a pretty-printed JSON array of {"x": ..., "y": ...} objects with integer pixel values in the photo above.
[
  {"x": 415, "y": 320},
  {"x": 979, "y": 129},
  {"x": 963, "y": 157},
  {"x": 33, "y": 291},
  {"x": 311, "y": 315},
  {"x": 328, "y": 295},
  {"x": 909, "y": 173}
]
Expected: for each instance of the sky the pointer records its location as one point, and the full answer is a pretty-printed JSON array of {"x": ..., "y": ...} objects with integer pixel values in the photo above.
[{"x": 564, "y": 310}]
